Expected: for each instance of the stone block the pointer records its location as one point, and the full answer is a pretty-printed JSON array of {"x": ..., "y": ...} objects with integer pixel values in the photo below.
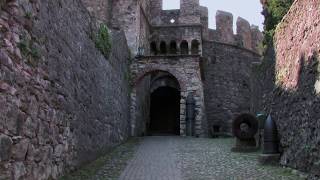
[
  {"x": 269, "y": 159},
  {"x": 244, "y": 32},
  {"x": 224, "y": 26},
  {"x": 5, "y": 147},
  {"x": 19, "y": 150}
]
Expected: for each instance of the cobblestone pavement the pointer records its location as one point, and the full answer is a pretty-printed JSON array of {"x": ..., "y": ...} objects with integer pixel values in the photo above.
[
  {"x": 212, "y": 159},
  {"x": 180, "y": 158},
  {"x": 175, "y": 158},
  {"x": 154, "y": 160}
]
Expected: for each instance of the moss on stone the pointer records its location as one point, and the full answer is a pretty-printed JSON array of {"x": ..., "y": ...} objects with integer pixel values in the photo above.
[
  {"x": 276, "y": 10},
  {"x": 108, "y": 166},
  {"x": 29, "y": 50},
  {"x": 103, "y": 41}
]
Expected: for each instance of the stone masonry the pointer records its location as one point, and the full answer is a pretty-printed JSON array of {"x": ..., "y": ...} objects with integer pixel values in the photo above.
[
  {"x": 57, "y": 90},
  {"x": 176, "y": 34},
  {"x": 63, "y": 103},
  {"x": 289, "y": 86},
  {"x": 186, "y": 70}
]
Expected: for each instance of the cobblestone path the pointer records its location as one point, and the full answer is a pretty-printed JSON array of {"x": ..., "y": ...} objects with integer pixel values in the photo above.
[
  {"x": 175, "y": 158},
  {"x": 212, "y": 159},
  {"x": 180, "y": 158},
  {"x": 156, "y": 159}
]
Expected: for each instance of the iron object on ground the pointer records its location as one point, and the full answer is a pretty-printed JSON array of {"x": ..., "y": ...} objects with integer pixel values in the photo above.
[
  {"x": 244, "y": 127},
  {"x": 270, "y": 155},
  {"x": 270, "y": 137}
]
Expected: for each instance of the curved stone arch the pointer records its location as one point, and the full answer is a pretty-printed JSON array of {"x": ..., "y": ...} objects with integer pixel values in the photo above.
[
  {"x": 184, "y": 47},
  {"x": 195, "y": 46},
  {"x": 141, "y": 73},
  {"x": 164, "y": 81},
  {"x": 148, "y": 70},
  {"x": 163, "y": 49},
  {"x": 173, "y": 47}
]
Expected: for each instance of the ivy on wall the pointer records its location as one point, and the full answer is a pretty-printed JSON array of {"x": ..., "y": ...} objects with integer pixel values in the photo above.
[
  {"x": 275, "y": 10},
  {"x": 103, "y": 41}
]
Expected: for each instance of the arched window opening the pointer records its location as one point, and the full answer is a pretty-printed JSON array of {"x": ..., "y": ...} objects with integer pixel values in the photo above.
[
  {"x": 173, "y": 47},
  {"x": 153, "y": 48},
  {"x": 163, "y": 48},
  {"x": 184, "y": 47},
  {"x": 195, "y": 47}
]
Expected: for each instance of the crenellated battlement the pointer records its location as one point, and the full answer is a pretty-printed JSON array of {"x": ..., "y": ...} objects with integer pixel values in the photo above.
[
  {"x": 246, "y": 35},
  {"x": 191, "y": 13},
  {"x": 145, "y": 21}
]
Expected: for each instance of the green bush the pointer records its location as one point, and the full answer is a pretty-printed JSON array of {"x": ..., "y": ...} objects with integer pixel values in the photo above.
[
  {"x": 102, "y": 40},
  {"x": 276, "y": 10}
]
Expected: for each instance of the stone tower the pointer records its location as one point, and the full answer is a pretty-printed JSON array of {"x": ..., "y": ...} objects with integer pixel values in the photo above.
[
  {"x": 156, "y": 8},
  {"x": 189, "y": 12}
]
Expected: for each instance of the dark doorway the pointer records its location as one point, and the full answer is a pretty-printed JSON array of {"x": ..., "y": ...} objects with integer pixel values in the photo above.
[
  {"x": 184, "y": 47},
  {"x": 165, "y": 112},
  {"x": 173, "y": 47},
  {"x": 163, "y": 47},
  {"x": 195, "y": 47},
  {"x": 153, "y": 48}
]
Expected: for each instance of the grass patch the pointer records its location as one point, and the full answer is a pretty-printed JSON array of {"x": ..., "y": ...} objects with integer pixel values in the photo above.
[
  {"x": 107, "y": 167},
  {"x": 103, "y": 41},
  {"x": 28, "y": 50},
  {"x": 28, "y": 15}
]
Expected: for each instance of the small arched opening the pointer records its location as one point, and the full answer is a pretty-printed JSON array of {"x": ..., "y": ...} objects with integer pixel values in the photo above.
[
  {"x": 173, "y": 47},
  {"x": 164, "y": 105},
  {"x": 184, "y": 47},
  {"x": 153, "y": 48},
  {"x": 195, "y": 47},
  {"x": 163, "y": 47}
]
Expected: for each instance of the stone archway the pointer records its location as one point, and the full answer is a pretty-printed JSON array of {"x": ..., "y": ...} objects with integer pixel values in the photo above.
[
  {"x": 165, "y": 103},
  {"x": 185, "y": 70}
]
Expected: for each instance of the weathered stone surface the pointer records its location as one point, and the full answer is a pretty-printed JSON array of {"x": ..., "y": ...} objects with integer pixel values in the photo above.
[
  {"x": 204, "y": 18},
  {"x": 290, "y": 78},
  {"x": 19, "y": 150},
  {"x": 5, "y": 147},
  {"x": 257, "y": 38},
  {"x": 244, "y": 32},
  {"x": 190, "y": 12},
  {"x": 297, "y": 59},
  {"x": 227, "y": 85},
  {"x": 63, "y": 103},
  {"x": 187, "y": 72},
  {"x": 19, "y": 170},
  {"x": 101, "y": 9},
  {"x": 224, "y": 25}
]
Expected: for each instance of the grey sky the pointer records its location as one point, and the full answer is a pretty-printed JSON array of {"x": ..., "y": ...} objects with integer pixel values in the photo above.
[{"x": 248, "y": 9}]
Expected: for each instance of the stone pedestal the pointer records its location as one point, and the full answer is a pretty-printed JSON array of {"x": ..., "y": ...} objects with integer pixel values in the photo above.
[
  {"x": 245, "y": 146},
  {"x": 269, "y": 159}
]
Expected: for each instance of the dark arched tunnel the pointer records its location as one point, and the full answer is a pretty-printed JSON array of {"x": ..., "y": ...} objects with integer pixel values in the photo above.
[{"x": 165, "y": 111}]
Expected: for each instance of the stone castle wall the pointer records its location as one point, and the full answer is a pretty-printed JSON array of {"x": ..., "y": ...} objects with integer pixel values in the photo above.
[
  {"x": 140, "y": 107},
  {"x": 248, "y": 37},
  {"x": 227, "y": 84},
  {"x": 294, "y": 101},
  {"x": 130, "y": 16},
  {"x": 62, "y": 103},
  {"x": 138, "y": 18},
  {"x": 101, "y": 9}
]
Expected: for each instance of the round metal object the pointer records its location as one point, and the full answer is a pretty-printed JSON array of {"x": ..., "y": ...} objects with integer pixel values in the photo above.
[{"x": 245, "y": 126}]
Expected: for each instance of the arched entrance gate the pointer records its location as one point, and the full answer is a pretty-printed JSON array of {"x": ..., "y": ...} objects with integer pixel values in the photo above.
[{"x": 160, "y": 86}]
